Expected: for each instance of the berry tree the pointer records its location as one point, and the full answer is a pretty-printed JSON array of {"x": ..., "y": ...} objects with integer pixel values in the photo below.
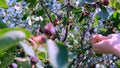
[{"x": 56, "y": 33}]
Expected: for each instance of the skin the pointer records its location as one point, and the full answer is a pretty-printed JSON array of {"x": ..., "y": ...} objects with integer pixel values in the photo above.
[{"x": 106, "y": 44}]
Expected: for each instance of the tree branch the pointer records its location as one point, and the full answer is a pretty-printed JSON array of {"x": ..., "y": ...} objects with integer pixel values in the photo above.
[
  {"x": 41, "y": 3},
  {"x": 66, "y": 33}
]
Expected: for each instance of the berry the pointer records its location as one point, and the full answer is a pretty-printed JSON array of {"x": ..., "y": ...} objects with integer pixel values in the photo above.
[
  {"x": 69, "y": 4},
  {"x": 13, "y": 65},
  {"x": 33, "y": 60},
  {"x": 56, "y": 21},
  {"x": 94, "y": 5},
  {"x": 22, "y": 54},
  {"x": 70, "y": 21},
  {"x": 40, "y": 38},
  {"x": 49, "y": 29},
  {"x": 85, "y": 13},
  {"x": 105, "y": 2},
  {"x": 114, "y": 31}
]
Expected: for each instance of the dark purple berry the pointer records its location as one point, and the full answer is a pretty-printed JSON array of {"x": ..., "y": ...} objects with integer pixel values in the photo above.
[
  {"x": 69, "y": 4},
  {"x": 49, "y": 29},
  {"x": 13, "y": 65},
  {"x": 33, "y": 60},
  {"x": 22, "y": 54},
  {"x": 105, "y": 2}
]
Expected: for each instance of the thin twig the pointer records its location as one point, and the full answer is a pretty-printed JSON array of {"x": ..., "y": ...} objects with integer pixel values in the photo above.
[
  {"x": 41, "y": 3},
  {"x": 66, "y": 33}
]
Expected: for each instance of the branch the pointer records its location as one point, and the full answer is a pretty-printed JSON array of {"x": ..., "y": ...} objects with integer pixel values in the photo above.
[
  {"x": 66, "y": 33},
  {"x": 41, "y": 3}
]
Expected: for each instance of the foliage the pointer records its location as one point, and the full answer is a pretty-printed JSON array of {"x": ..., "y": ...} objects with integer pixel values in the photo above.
[{"x": 56, "y": 32}]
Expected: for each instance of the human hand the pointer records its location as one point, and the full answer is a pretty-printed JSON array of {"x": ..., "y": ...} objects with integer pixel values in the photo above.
[{"x": 106, "y": 45}]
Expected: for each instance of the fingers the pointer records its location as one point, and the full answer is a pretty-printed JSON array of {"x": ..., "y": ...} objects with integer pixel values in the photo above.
[
  {"x": 112, "y": 35},
  {"x": 97, "y": 38},
  {"x": 102, "y": 47}
]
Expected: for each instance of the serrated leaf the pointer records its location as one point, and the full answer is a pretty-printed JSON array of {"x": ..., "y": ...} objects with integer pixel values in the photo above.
[
  {"x": 57, "y": 53},
  {"x": 28, "y": 49},
  {"x": 3, "y": 4}
]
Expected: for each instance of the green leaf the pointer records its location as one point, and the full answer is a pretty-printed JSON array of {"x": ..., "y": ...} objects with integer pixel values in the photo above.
[
  {"x": 25, "y": 64},
  {"x": 2, "y": 24},
  {"x": 10, "y": 39},
  {"x": 115, "y": 16},
  {"x": 116, "y": 5},
  {"x": 27, "y": 48},
  {"x": 118, "y": 63},
  {"x": 5, "y": 30},
  {"x": 40, "y": 12},
  {"x": 3, "y": 4},
  {"x": 32, "y": 3},
  {"x": 103, "y": 13},
  {"x": 96, "y": 19},
  {"x": 42, "y": 55},
  {"x": 25, "y": 16},
  {"x": 6, "y": 60},
  {"x": 57, "y": 53}
]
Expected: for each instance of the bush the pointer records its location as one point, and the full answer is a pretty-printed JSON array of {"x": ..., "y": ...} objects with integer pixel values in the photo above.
[{"x": 56, "y": 33}]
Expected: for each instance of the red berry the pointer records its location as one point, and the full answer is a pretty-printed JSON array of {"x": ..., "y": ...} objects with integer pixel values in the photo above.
[
  {"x": 39, "y": 38},
  {"x": 69, "y": 4},
  {"x": 85, "y": 13},
  {"x": 105, "y": 2},
  {"x": 49, "y": 29},
  {"x": 114, "y": 31},
  {"x": 70, "y": 21},
  {"x": 94, "y": 5},
  {"x": 56, "y": 21}
]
